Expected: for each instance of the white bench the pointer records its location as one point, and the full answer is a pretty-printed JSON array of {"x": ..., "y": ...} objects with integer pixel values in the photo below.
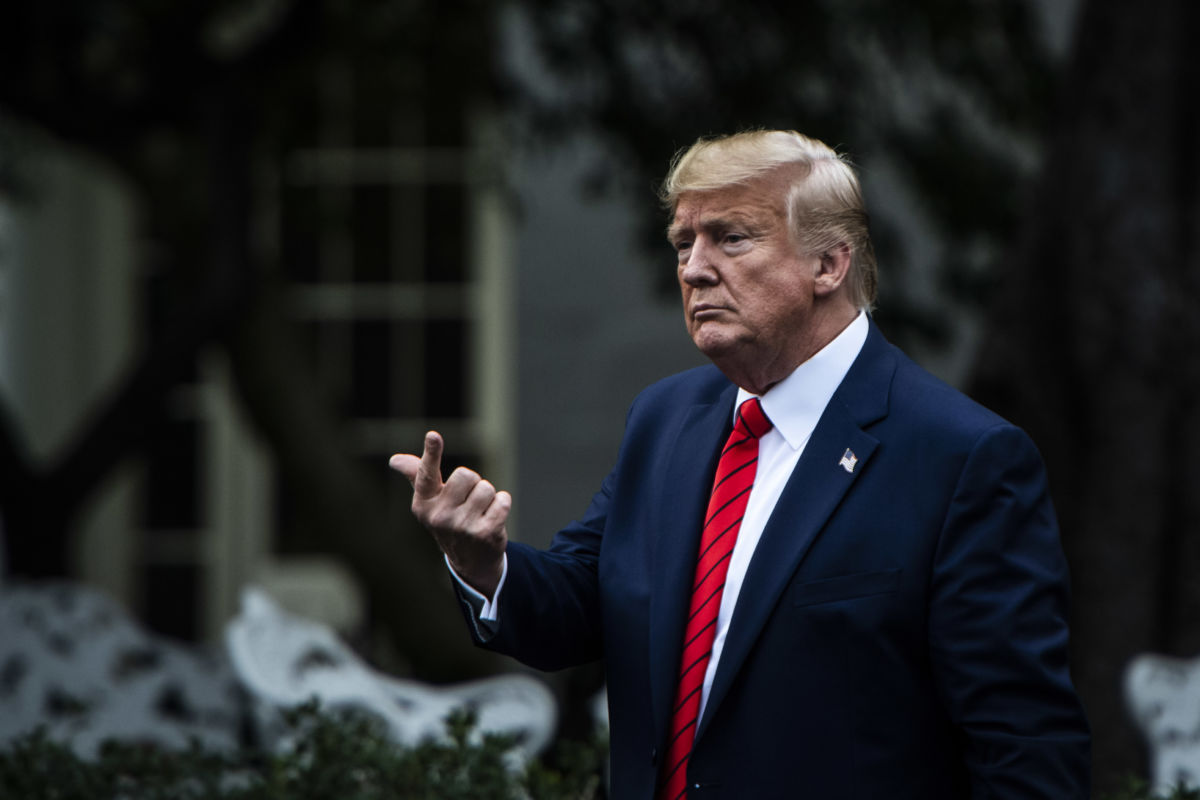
[
  {"x": 1163, "y": 695},
  {"x": 284, "y": 661},
  {"x": 72, "y": 661}
]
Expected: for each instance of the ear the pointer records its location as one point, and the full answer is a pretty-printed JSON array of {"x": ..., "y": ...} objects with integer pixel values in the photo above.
[{"x": 833, "y": 269}]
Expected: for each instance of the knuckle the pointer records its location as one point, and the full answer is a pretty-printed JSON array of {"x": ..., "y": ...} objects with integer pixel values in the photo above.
[
  {"x": 439, "y": 518},
  {"x": 466, "y": 474},
  {"x": 483, "y": 534}
]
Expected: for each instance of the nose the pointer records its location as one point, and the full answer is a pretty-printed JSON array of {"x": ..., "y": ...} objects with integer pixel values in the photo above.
[{"x": 698, "y": 269}]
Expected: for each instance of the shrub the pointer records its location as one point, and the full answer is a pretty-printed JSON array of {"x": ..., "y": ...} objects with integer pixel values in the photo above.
[
  {"x": 333, "y": 756},
  {"x": 1138, "y": 789}
]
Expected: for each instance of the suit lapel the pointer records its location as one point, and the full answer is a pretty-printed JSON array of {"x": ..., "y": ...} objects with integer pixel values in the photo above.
[
  {"x": 687, "y": 483},
  {"x": 812, "y": 494}
]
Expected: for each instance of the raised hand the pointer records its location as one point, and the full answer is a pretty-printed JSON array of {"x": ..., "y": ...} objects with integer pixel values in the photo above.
[{"x": 465, "y": 514}]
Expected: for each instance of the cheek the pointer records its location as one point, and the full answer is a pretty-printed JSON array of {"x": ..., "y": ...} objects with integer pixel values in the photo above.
[{"x": 780, "y": 310}]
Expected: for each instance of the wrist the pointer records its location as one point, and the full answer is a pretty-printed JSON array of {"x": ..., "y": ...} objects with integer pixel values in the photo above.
[{"x": 483, "y": 580}]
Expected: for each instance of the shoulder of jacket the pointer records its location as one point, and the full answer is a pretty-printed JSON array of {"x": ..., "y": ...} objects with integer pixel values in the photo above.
[{"x": 703, "y": 384}]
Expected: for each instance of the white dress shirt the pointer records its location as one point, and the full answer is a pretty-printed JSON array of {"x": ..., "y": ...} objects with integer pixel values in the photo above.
[{"x": 794, "y": 405}]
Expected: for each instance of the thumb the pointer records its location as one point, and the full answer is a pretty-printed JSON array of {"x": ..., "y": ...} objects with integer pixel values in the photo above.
[{"x": 407, "y": 465}]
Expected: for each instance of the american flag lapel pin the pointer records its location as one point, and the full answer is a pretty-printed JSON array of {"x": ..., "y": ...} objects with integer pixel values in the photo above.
[{"x": 849, "y": 460}]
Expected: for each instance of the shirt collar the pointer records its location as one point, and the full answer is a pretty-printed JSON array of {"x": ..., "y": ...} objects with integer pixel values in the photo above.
[{"x": 795, "y": 404}]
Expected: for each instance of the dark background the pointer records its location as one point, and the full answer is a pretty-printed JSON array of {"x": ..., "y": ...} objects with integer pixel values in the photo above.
[{"x": 368, "y": 219}]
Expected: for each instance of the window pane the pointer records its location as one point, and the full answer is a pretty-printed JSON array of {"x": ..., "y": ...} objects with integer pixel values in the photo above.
[
  {"x": 372, "y": 237},
  {"x": 300, "y": 237},
  {"x": 448, "y": 368},
  {"x": 446, "y": 245}
]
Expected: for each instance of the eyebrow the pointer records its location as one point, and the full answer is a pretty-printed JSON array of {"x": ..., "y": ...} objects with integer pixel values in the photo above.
[{"x": 733, "y": 219}]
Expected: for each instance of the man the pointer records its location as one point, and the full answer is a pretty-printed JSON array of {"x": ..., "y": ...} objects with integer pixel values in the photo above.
[{"x": 815, "y": 570}]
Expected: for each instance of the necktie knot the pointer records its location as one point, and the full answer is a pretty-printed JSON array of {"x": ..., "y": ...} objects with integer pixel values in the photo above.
[{"x": 753, "y": 418}]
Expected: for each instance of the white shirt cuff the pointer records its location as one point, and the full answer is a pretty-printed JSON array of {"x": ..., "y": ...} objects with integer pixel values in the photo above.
[{"x": 485, "y": 608}]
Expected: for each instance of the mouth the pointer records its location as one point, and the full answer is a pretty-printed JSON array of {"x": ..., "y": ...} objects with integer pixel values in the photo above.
[{"x": 702, "y": 311}]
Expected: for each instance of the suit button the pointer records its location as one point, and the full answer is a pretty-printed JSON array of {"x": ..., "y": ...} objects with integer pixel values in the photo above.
[{"x": 654, "y": 756}]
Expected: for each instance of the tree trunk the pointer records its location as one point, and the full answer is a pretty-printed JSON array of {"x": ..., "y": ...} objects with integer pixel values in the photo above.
[{"x": 1092, "y": 347}]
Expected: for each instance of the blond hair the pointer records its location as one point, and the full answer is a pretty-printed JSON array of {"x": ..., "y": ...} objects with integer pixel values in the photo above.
[{"x": 824, "y": 200}]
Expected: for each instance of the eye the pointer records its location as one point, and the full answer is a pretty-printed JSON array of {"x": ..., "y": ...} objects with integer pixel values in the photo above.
[{"x": 682, "y": 245}]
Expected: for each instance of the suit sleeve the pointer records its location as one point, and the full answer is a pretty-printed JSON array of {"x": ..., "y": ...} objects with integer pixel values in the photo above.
[
  {"x": 998, "y": 628},
  {"x": 549, "y": 611}
]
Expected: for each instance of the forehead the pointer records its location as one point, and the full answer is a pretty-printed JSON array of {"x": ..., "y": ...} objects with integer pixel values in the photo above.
[{"x": 756, "y": 203}]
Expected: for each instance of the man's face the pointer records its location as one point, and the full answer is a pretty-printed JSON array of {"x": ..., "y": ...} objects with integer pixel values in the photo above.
[{"x": 748, "y": 292}]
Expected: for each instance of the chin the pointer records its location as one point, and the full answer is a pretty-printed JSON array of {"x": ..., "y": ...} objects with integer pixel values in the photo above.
[
  {"x": 722, "y": 339},
  {"x": 714, "y": 347}
]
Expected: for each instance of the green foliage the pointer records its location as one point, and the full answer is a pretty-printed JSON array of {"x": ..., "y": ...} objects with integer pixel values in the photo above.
[
  {"x": 1138, "y": 789},
  {"x": 344, "y": 756}
]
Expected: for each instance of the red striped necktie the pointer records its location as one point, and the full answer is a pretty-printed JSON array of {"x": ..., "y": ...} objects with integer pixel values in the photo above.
[{"x": 731, "y": 491}]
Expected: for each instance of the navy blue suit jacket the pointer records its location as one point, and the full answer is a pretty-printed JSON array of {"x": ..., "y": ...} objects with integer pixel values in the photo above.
[{"x": 902, "y": 628}]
